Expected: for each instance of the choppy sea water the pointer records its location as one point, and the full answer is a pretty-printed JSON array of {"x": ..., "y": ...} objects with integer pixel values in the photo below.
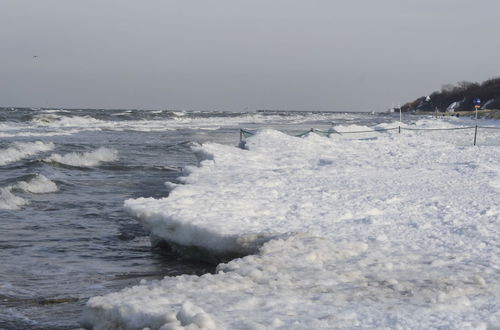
[{"x": 64, "y": 175}]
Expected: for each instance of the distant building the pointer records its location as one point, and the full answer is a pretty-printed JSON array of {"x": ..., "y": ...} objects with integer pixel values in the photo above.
[
  {"x": 454, "y": 106},
  {"x": 491, "y": 104}
]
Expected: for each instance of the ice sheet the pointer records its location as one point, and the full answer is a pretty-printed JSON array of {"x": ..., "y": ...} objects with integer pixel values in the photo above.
[{"x": 391, "y": 230}]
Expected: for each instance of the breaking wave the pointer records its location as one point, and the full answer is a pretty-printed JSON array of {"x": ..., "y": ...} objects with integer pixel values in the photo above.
[
  {"x": 86, "y": 159},
  {"x": 20, "y": 150},
  {"x": 37, "y": 185},
  {"x": 64, "y": 121},
  {"x": 9, "y": 201}
]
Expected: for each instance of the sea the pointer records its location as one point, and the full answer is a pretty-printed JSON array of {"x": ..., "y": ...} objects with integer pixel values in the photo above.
[{"x": 64, "y": 175}]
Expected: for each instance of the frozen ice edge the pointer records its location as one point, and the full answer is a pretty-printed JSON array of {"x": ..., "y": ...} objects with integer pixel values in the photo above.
[
  {"x": 373, "y": 279},
  {"x": 193, "y": 242}
]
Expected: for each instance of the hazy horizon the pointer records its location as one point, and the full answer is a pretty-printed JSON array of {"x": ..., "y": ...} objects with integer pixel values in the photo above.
[{"x": 237, "y": 55}]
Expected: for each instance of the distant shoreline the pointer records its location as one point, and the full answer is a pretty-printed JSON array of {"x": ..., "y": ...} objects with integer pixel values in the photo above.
[
  {"x": 489, "y": 114},
  {"x": 188, "y": 110}
]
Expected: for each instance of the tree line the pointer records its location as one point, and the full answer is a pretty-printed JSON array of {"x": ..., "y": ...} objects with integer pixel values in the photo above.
[{"x": 459, "y": 97}]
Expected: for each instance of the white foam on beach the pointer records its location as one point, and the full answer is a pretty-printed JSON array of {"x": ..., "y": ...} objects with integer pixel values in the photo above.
[
  {"x": 395, "y": 231},
  {"x": 86, "y": 159},
  {"x": 21, "y": 150}
]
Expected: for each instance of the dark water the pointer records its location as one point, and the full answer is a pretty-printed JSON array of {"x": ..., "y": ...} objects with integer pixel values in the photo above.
[{"x": 62, "y": 247}]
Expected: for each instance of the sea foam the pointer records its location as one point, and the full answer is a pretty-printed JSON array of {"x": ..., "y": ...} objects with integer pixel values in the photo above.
[
  {"x": 9, "y": 201},
  {"x": 86, "y": 159},
  {"x": 38, "y": 185},
  {"x": 21, "y": 150},
  {"x": 65, "y": 121}
]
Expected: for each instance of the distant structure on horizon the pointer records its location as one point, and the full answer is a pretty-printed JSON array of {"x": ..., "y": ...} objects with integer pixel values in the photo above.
[{"x": 459, "y": 97}]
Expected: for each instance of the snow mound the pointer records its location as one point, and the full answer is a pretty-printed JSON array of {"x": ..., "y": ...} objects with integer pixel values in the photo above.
[
  {"x": 21, "y": 150},
  {"x": 87, "y": 159},
  {"x": 301, "y": 282},
  {"x": 400, "y": 231}
]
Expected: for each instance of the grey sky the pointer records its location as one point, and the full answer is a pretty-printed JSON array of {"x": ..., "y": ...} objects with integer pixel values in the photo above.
[{"x": 237, "y": 54}]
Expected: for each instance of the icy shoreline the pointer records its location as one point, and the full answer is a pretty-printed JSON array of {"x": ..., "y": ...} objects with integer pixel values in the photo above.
[{"x": 377, "y": 231}]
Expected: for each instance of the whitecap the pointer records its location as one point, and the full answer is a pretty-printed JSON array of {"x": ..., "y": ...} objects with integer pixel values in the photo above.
[
  {"x": 39, "y": 134},
  {"x": 21, "y": 150},
  {"x": 45, "y": 119},
  {"x": 65, "y": 121},
  {"x": 38, "y": 185},
  {"x": 9, "y": 201},
  {"x": 79, "y": 121},
  {"x": 86, "y": 159}
]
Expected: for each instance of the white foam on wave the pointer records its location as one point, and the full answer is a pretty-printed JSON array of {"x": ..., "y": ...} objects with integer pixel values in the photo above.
[
  {"x": 45, "y": 119},
  {"x": 9, "y": 201},
  {"x": 86, "y": 159},
  {"x": 65, "y": 121},
  {"x": 180, "y": 120},
  {"x": 379, "y": 233},
  {"x": 40, "y": 184},
  {"x": 21, "y": 150},
  {"x": 9, "y": 126},
  {"x": 25, "y": 133},
  {"x": 55, "y": 111},
  {"x": 9, "y": 130}
]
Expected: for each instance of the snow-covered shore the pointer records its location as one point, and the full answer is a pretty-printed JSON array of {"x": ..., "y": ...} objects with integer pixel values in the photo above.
[{"x": 384, "y": 230}]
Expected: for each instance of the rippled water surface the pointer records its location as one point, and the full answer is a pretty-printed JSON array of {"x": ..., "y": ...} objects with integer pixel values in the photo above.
[{"x": 64, "y": 175}]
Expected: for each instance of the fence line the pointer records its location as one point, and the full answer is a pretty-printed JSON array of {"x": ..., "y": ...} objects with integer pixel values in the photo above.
[
  {"x": 489, "y": 127},
  {"x": 244, "y": 133},
  {"x": 438, "y": 129}
]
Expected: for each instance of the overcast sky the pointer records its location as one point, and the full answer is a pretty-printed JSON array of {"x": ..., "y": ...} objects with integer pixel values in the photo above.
[{"x": 242, "y": 54}]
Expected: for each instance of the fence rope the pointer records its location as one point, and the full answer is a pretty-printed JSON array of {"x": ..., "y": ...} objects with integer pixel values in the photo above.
[
  {"x": 371, "y": 131},
  {"x": 244, "y": 133},
  {"x": 437, "y": 129},
  {"x": 488, "y": 127},
  {"x": 178, "y": 144}
]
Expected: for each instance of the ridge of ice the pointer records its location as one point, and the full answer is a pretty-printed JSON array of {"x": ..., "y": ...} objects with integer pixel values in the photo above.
[{"x": 399, "y": 230}]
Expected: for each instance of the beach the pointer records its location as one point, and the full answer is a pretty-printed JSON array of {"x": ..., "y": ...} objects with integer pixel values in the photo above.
[{"x": 393, "y": 230}]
